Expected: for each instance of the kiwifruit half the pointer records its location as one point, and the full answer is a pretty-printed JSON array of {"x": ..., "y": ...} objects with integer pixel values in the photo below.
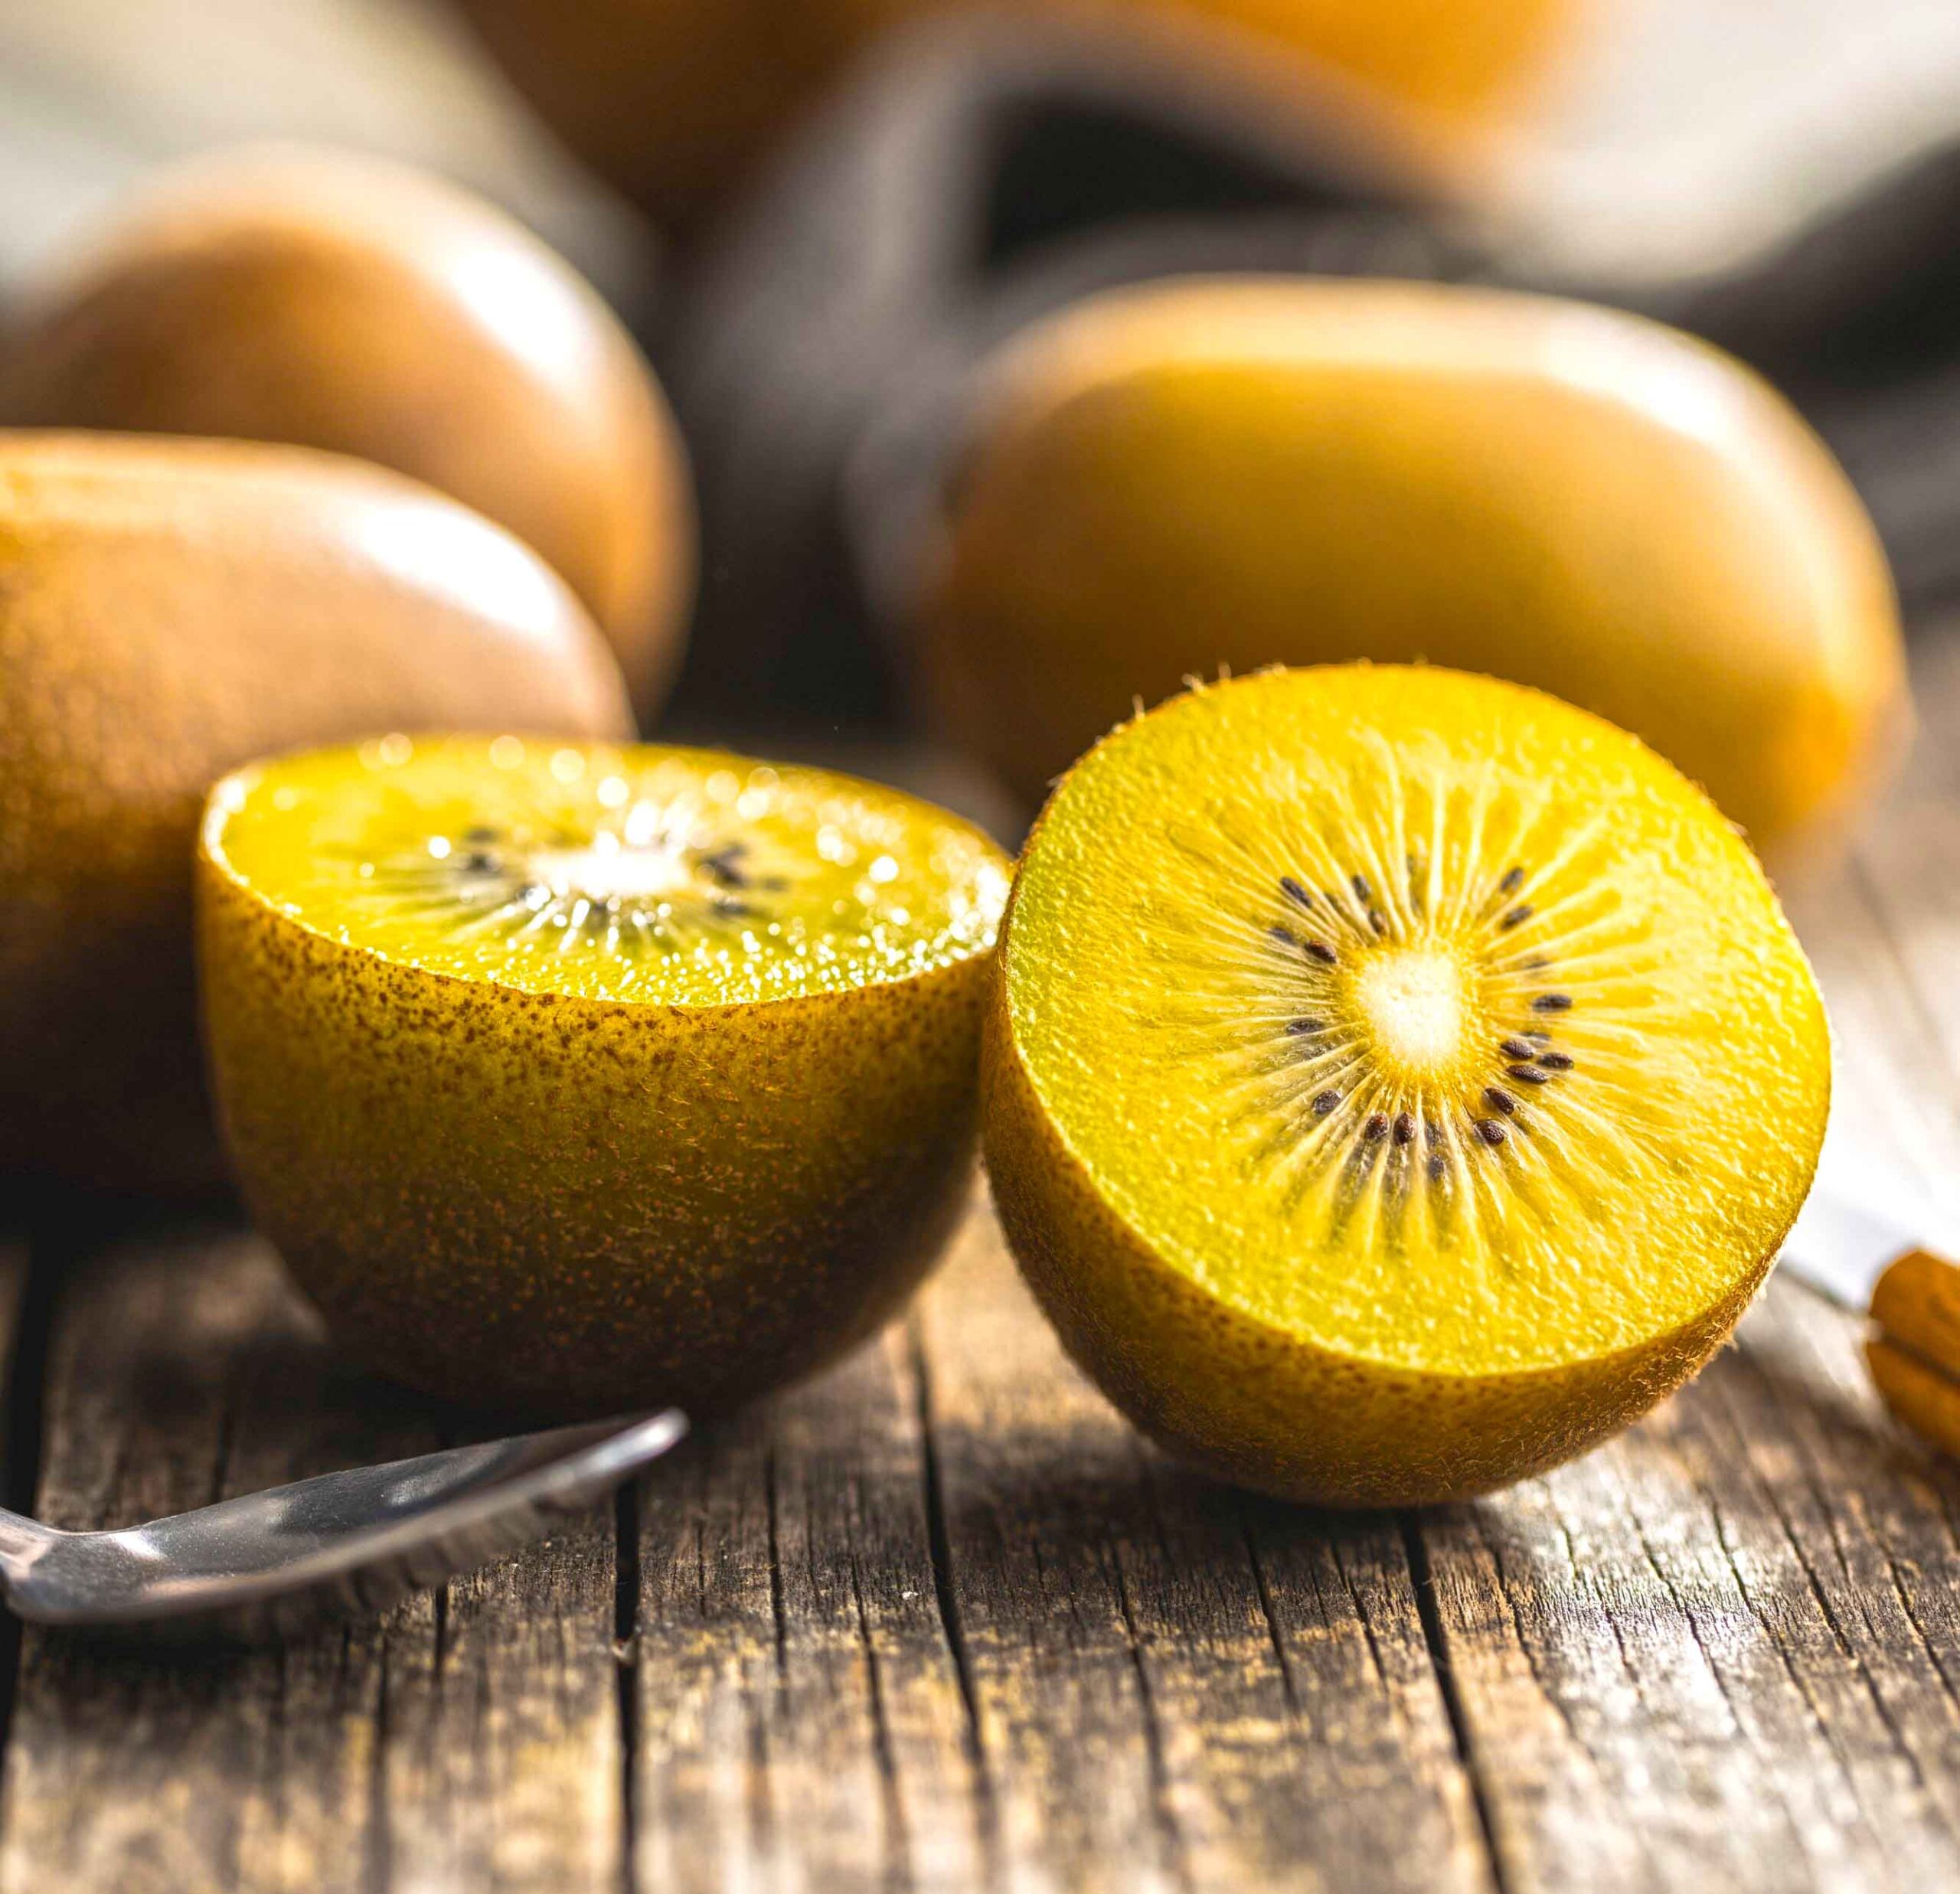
[
  {"x": 575, "y": 1077},
  {"x": 1396, "y": 1080}
]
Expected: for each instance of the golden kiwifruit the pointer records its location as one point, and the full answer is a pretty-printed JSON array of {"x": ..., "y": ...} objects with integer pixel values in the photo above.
[
  {"x": 679, "y": 101},
  {"x": 330, "y": 300},
  {"x": 1167, "y": 480},
  {"x": 168, "y": 609},
  {"x": 1395, "y": 1081},
  {"x": 578, "y": 1078}
]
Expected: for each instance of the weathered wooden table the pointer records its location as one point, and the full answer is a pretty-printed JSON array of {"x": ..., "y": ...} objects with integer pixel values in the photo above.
[{"x": 941, "y": 1621}]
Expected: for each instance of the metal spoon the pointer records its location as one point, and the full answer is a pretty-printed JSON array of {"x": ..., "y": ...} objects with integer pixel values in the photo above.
[{"x": 270, "y": 1563}]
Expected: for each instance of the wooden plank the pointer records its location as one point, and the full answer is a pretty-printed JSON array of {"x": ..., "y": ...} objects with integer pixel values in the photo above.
[
  {"x": 465, "y": 1745},
  {"x": 801, "y": 1723},
  {"x": 1689, "y": 1658},
  {"x": 1175, "y": 1686}
]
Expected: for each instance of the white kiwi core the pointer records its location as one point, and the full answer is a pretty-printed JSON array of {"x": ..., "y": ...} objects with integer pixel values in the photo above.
[{"x": 1414, "y": 1004}]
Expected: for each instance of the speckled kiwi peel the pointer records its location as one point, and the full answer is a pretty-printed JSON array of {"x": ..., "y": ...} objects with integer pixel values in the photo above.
[
  {"x": 1455, "y": 1079},
  {"x": 578, "y": 1204}
]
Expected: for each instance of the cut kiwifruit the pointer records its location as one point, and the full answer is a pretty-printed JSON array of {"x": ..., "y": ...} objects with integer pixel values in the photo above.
[
  {"x": 577, "y": 1078},
  {"x": 1395, "y": 1081}
]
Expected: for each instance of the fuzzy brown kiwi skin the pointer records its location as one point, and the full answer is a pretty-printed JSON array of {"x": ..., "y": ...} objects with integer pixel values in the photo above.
[
  {"x": 330, "y": 300},
  {"x": 169, "y": 609},
  {"x": 574, "y": 1208},
  {"x": 1253, "y": 1404}
]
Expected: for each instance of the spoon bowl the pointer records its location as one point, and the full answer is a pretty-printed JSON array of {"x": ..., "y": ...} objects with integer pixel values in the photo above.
[{"x": 272, "y": 1563}]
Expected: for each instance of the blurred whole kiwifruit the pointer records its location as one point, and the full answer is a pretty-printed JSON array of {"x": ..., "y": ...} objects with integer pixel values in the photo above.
[
  {"x": 1227, "y": 473},
  {"x": 677, "y": 101},
  {"x": 332, "y": 300},
  {"x": 169, "y": 609}
]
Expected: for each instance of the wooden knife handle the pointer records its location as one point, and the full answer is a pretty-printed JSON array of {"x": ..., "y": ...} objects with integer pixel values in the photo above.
[{"x": 1914, "y": 1353}]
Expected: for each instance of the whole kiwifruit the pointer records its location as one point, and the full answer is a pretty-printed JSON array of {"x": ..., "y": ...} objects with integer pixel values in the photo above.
[
  {"x": 168, "y": 608},
  {"x": 678, "y": 102},
  {"x": 332, "y": 300},
  {"x": 1166, "y": 480},
  {"x": 1395, "y": 1081},
  {"x": 580, "y": 1078}
]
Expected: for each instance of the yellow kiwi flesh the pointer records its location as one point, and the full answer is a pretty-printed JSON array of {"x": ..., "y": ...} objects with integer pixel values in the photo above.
[
  {"x": 1395, "y": 1081},
  {"x": 1167, "y": 480},
  {"x": 169, "y": 609},
  {"x": 346, "y": 302},
  {"x": 575, "y": 1077}
]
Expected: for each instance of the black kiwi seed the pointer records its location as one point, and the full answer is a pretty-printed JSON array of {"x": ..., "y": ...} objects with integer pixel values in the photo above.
[
  {"x": 1325, "y": 1101},
  {"x": 1490, "y": 1132},
  {"x": 1284, "y": 936},
  {"x": 1538, "y": 963},
  {"x": 1376, "y": 1129},
  {"x": 1378, "y": 920},
  {"x": 1319, "y": 950},
  {"x": 1517, "y": 917},
  {"x": 477, "y": 862},
  {"x": 1527, "y": 1075},
  {"x": 1295, "y": 893},
  {"x": 1363, "y": 892},
  {"x": 1499, "y": 1100},
  {"x": 1300, "y": 1028},
  {"x": 1439, "y": 1165},
  {"x": 1551, "y": 1003},
  {"x": 1556, "y": 1061},
  {"x": 1404, "y": 1128},
  {"x": 479, "y": 836},
  {"x": 1516, "y": 1049},
  {"x": 1513, "y": 880}
]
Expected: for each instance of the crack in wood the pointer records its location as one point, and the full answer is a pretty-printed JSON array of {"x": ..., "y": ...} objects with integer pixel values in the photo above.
[
  {"x": 946, "y": 1598},
  {"x": 1428, "y": 1608},
  {"x": 626, "y": 1682}
]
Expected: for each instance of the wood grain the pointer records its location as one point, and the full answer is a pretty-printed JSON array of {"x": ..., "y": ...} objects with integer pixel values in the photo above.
[
  {"x": 464, "y": 1742},
  {"x": 1175, "y": 1685},
  {"x": 801, "y": 1723}
]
